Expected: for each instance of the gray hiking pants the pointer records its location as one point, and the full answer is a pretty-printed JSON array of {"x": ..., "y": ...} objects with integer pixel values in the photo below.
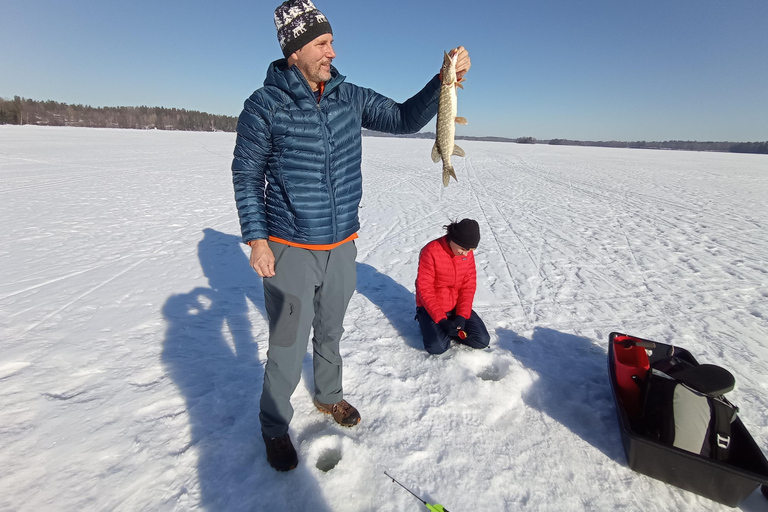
[{"x": 310, "y": 290}]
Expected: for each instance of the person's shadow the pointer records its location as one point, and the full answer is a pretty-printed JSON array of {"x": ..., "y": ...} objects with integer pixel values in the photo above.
[
  {"x": 211, "y": 354},
  {"x": 394, "y": 301},
  {"x": 573, "y": 387}
]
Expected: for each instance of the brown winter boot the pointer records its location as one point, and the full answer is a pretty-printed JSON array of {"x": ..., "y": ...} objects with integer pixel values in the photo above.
[{"x": 344, "y": 414}]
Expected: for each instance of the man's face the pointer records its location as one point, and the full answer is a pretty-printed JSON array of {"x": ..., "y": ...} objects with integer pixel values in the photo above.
[{"x": 314, "y": 60}]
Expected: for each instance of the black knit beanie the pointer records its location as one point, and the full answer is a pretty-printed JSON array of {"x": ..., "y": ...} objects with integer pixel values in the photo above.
[
  {"x": 465, "y": 233},
  {"x": 298, "y": 22}
]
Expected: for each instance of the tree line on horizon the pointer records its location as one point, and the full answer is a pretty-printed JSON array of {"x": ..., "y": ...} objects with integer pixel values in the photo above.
[
  {"x": 685, "y": 145},
  {"x": 52, "y": 113},
  {"x": 681, "y": 145}
]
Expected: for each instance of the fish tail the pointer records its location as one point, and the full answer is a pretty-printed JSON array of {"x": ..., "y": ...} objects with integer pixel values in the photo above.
[{"x": 447, "y": 174}]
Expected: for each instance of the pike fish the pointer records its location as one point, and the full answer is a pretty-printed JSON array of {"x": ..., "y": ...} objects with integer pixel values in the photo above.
[{"x": 445, "y": 147}]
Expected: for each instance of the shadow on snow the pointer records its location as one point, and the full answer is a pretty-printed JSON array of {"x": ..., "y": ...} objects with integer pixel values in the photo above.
[
  {"x": 211, "y": 355},
  {"x": 573, "y": 386},
  {"x": 394, "y": 301}
]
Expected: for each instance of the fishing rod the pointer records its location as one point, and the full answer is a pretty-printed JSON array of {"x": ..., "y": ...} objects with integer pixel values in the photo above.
[{"x": 432, "y": 507}]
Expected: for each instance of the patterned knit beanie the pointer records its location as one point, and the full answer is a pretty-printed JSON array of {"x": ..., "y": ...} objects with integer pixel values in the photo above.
[
  {"x": 465, "y": 233},
  {"x": 298, "y": 22}
]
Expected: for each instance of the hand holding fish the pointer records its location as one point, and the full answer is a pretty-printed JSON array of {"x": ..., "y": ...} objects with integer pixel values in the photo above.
[{"x": 463, "y": 63}]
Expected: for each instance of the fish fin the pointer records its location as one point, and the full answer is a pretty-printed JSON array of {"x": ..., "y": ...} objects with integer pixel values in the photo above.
[
  {"x": 459, "y": 85},
  {"x": 447, "y": 173},
  {"x": 435, "y": 153},
  {"x": 458, "y": 151},
  {"x": 461, "y": 120}
]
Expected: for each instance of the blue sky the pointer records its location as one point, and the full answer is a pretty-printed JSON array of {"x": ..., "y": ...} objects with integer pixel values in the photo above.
[{"x": 589, "y": 70}]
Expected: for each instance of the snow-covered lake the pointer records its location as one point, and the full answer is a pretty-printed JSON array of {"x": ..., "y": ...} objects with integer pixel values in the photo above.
[{"x": 134, "y": 331}]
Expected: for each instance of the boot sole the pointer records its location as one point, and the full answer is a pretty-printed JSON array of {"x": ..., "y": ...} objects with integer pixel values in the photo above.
[{"x": 283, "y": 469}]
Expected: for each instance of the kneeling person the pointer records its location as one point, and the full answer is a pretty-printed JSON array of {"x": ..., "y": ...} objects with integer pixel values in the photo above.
[{"x": 445, "y": 289}]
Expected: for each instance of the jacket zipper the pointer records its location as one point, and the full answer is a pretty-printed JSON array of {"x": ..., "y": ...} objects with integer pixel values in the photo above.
[{"x": 327, "y": 143}]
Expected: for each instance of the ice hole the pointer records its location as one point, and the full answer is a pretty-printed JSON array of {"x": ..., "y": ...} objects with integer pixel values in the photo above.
[
  {"x": 491, "y": 372},
  {"x": 328, "y": 460}
]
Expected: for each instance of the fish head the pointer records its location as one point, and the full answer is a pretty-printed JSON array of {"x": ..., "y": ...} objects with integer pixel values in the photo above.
[{"x": 449, "y": 68}]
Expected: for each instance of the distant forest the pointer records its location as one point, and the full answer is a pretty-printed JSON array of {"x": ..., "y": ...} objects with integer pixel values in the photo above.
[
  {"x": 732, "y": 147},
  {"x": 51, "y": 113},
  {"x": 686, "y": 145}
]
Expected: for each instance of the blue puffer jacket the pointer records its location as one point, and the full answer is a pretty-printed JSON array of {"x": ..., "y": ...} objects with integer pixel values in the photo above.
[{"x": 308, "y": 154}]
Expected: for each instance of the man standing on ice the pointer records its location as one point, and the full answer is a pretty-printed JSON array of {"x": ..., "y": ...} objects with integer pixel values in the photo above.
[{"x": 298, "y": 184}]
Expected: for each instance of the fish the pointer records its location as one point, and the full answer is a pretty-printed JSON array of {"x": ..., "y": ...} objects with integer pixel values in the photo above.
[{"x": 445, "y": 146}]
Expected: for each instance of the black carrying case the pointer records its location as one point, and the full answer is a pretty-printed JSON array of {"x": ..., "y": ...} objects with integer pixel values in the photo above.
[{"x": 727, "y": 482}]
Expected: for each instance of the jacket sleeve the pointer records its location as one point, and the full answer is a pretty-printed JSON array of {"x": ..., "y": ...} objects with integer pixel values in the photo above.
[
  {"x": 385, "y": 115},
  {"x": 252, "y": 149},
  {"x": 425, "y": 285},
  {"x": 467, "y": 291}
]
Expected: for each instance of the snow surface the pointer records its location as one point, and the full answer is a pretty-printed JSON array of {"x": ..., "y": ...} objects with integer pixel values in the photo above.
[{"x": 134, "y": 334}]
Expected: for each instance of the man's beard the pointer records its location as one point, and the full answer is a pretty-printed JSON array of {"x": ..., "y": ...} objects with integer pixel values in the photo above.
[{"x": 320, "y": 74}]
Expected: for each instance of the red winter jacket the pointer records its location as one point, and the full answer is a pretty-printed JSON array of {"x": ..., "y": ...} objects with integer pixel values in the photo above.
[{"x": 445, "y": 281}]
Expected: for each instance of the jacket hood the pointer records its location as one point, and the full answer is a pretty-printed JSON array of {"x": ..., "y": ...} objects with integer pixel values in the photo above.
[{"x": 291, "y": 81}]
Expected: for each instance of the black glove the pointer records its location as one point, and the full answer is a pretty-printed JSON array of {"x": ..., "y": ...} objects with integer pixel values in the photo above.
[
  {"x": 448, "y": 327},
  {"x": 459, "y": 321}
]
